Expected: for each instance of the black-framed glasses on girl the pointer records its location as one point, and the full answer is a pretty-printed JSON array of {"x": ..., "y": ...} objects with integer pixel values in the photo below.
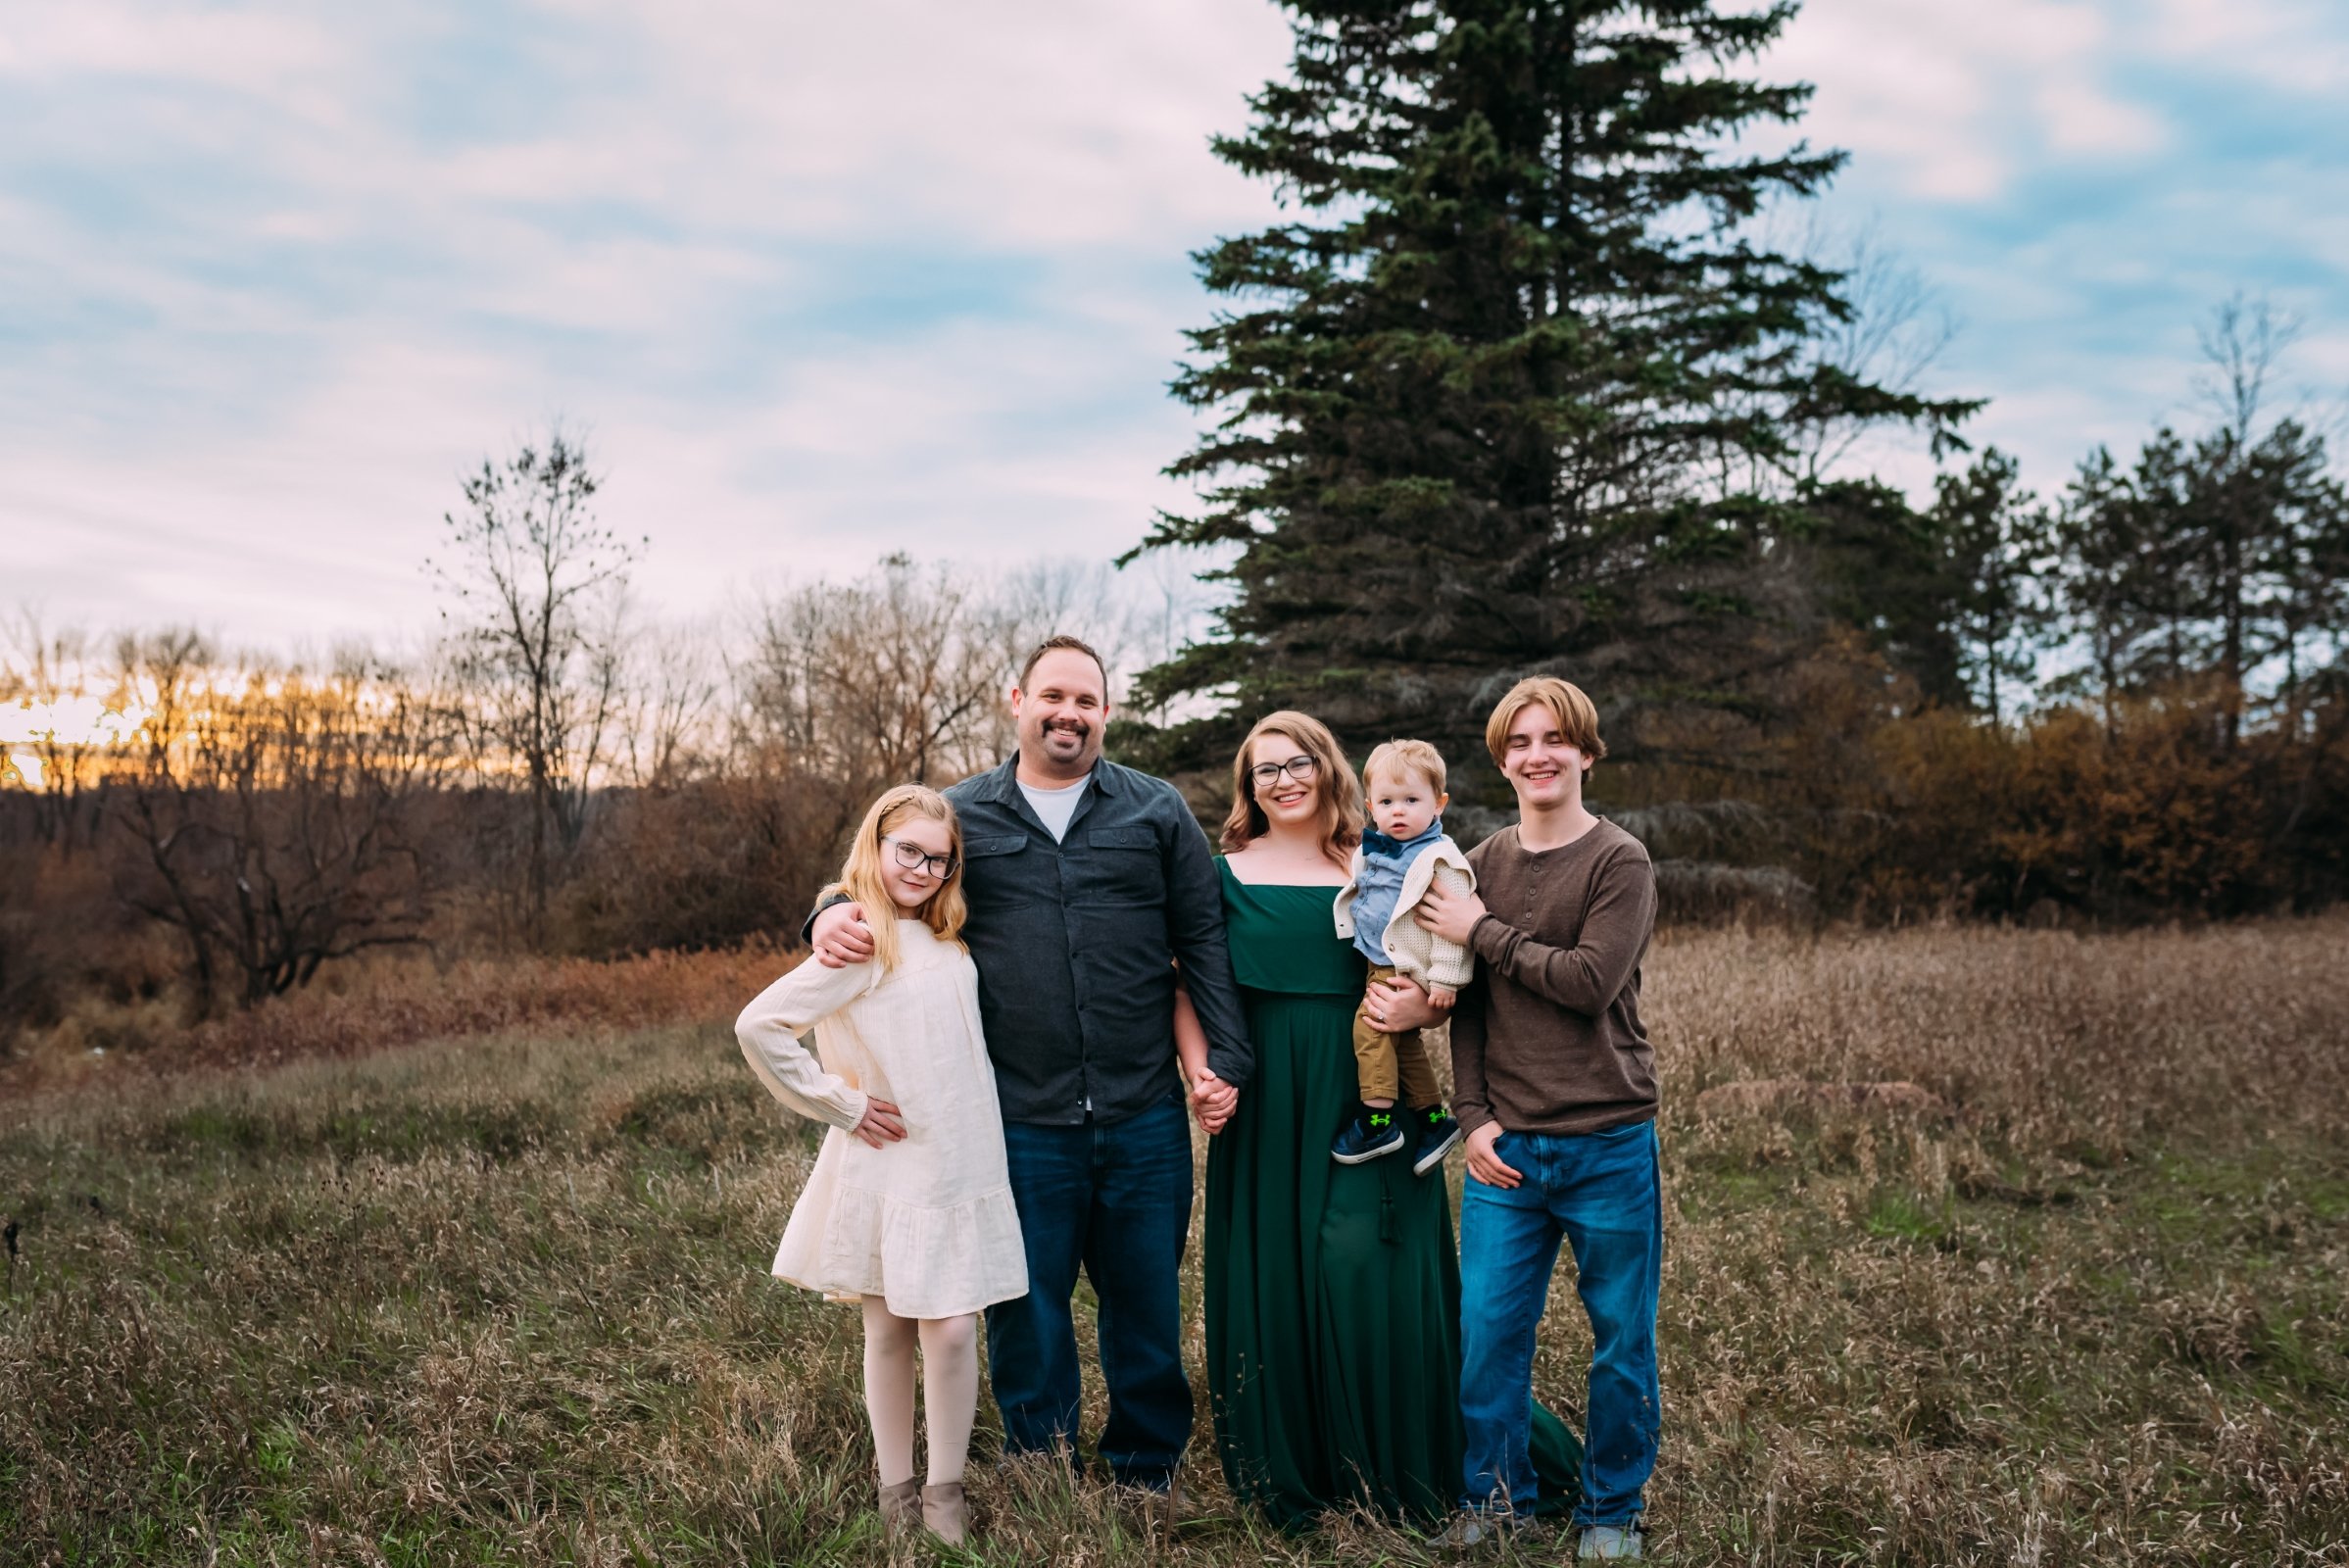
[
  {"x": 914, "y": 856},
  {"x": 1300, "y": 768}
]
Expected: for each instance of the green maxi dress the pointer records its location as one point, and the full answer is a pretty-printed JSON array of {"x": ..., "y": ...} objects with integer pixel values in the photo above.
[{"x": 1333, "y": 1292}]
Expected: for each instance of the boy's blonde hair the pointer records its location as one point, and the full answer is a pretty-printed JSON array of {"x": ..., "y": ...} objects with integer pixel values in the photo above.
[
  {"x": 1576, "y": 713},
  {"x": 863, "y": 876},
  {"x": 1401, "y": 759}
]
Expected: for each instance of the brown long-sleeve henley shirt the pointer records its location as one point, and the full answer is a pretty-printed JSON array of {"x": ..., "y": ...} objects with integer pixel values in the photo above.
[{"x": 1547, "y": 1039}]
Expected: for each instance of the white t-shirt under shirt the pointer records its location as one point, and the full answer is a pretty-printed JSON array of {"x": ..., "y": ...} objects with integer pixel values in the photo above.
[{"x": 1054, "y": 807}]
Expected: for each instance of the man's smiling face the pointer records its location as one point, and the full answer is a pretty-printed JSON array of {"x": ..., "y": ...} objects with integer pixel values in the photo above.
[{"x": 1061, "y": 713}]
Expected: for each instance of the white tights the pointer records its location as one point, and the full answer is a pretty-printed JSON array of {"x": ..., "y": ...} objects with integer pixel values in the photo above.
[{"x": 949, "y": 1366}]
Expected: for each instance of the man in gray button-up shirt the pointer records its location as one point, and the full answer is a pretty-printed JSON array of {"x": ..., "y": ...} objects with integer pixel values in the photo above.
[{"x": 1088, "y": 884}]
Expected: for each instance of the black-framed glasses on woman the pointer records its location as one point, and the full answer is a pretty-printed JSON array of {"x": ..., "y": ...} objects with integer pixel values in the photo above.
[
  {"x": 1300, "y": 768},
  {"x": 914, "y": 856}
]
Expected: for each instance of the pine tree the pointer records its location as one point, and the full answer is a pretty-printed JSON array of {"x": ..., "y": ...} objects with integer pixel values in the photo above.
[
  {"x": 1997, "y": 548},
  {"x": 1519, "y": 388},
  {"x": 2217, "y": 558},
  {"x": 1874, "y": 564}
]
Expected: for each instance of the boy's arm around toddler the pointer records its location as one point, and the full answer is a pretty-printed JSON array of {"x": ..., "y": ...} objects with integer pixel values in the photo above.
[{"x": 1450, "y": 965}]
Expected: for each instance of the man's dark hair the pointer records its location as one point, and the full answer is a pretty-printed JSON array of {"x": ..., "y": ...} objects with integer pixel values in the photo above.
[{"x": 1074, "y": 645}]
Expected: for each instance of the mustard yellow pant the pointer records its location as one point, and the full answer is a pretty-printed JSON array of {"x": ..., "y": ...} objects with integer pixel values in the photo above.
[{"x": 1382, "y": 1058}]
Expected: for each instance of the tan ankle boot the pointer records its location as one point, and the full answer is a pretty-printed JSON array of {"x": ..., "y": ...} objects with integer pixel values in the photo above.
[
  {"x": 944, "y": 1513},
  {"x": 900, "y": 1509}
]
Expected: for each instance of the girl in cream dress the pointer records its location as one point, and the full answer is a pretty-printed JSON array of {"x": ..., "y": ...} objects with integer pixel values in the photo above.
[{"x": 908, "y": 1209}]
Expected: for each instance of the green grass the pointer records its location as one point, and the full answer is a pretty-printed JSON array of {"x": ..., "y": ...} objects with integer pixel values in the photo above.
[{"x": 503, "y": 1301}]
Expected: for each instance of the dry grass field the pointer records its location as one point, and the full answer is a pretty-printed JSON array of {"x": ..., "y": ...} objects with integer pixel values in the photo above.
[{"x": 2076, "y": 1298}]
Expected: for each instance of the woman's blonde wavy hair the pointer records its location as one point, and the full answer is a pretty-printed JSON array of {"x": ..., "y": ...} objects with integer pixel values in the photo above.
[
  {"x": 1341, "y": 803},
  {"x": 863, "y": 876}
]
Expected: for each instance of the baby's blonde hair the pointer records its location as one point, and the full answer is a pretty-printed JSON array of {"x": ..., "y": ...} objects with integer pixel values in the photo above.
[
  {"x": 865, "y": 877},
  {"x": 1401, "y": 759}
]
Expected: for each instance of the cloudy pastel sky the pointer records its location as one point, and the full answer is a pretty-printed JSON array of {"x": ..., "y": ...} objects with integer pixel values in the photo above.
[{"x": 818, "y": 281}]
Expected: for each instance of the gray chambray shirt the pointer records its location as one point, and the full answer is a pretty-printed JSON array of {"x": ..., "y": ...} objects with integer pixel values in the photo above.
[{"x": 1076, "y": 943}]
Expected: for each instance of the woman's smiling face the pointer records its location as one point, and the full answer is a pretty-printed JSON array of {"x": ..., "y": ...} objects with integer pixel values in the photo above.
[{"x": 1286, "y": 800}]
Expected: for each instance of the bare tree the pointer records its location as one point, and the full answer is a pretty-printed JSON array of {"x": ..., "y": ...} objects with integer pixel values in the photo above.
[
  {"x": 1896, "y": 331},
  {"x": 537, "y": 584},
  {"x": 904, "y": 673},
  {"x": 898, "y": 676},
  {"x": 2241, "y": 344},
  {"x": 1169, "y": 602},
  {"x": 671, "y": 697},
  {"x": 268, "y": 809}
]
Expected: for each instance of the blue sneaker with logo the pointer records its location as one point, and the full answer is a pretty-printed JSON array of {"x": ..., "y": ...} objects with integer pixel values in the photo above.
[{"x": 1368, "y": 1134}]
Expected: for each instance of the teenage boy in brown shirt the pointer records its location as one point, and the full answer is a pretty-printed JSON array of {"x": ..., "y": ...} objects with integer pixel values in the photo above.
[{"x": 1554, "y": 1084}]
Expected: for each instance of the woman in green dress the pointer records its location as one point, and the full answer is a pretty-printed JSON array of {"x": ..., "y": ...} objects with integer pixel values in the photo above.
[{"x": 1333, "y": 1292}]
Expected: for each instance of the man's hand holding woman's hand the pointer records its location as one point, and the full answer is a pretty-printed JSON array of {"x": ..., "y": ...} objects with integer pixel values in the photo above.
[
  {"x": 1212, "y": 1101},
  {"x": 883, "y": 1124},
  {"x": 1485, "y": 1165},
  {"x": 842, "y": 938}
]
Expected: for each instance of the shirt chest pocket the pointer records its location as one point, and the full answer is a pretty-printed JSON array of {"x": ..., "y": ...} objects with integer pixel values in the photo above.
[
  {"x": 1120, "y": 866},
  {"x": 999, "y": 871}
]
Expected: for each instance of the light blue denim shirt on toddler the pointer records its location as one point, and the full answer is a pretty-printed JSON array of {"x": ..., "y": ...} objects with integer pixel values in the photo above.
[{"x": 1385, "y": 862}]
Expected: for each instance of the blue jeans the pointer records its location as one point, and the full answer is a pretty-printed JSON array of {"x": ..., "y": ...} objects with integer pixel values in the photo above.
[
  {"x": 1599, "y": 1192},
  {"x": 1114, "y": 1199}
]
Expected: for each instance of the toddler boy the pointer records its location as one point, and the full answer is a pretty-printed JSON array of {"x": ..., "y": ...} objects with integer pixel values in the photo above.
[{"x": 1404, "y": 851}]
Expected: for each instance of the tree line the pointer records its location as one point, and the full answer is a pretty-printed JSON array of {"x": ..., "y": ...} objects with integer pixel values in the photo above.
[
  {"x": 1529, "y": 379},
  {"x": 547, "y": 771},
  {"x": 1535, "y": 374}
]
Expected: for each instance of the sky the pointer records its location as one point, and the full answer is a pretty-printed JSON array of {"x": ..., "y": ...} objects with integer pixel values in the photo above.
[{"x": 816, "y": 282}]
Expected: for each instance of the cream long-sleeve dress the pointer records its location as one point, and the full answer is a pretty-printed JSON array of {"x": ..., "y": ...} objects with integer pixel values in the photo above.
[{"x": 926, "y": 1223}]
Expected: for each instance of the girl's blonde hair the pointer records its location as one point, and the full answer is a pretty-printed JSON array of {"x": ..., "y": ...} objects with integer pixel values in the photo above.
[
  {"x": 1339, "y": 814},
  {"x": 863, "y": 877}
]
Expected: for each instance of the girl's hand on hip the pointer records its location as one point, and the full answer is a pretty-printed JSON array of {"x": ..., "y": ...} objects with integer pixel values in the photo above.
[
  {"x": 1487, "y": 1166},
  {"x": 883, "y": 1124}
]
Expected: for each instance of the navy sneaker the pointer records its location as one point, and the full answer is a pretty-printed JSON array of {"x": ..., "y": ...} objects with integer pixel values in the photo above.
[
  {"x": 1438, "y": 1135},
  {"x": 1368, "y": 1134}
]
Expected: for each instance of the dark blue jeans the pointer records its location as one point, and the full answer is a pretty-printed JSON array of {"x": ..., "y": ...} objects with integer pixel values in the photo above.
[
  {"x": 1114, "y": 1199},
  {"x": 1598, "y": 1193}
]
